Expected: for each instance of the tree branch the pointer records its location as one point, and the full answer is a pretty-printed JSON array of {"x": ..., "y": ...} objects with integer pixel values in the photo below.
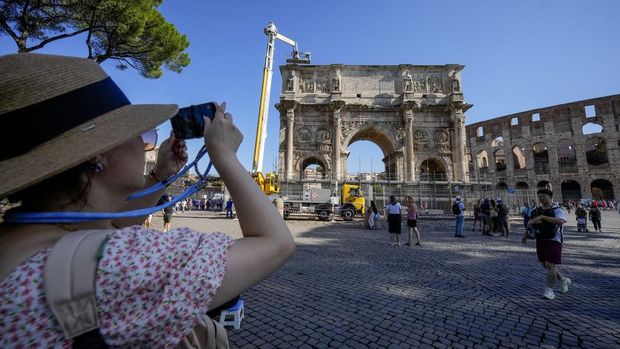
[
  {"x": 62, "y": 36},
  {"x": 90, "y": 33},
  {"x": 8, "y": 29}
]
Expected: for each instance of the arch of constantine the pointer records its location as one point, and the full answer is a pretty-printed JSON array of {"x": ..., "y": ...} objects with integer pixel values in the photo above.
[{"x": 416, "y": 115}]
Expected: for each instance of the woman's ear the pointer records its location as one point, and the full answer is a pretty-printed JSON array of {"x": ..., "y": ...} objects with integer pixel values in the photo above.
[{"x": 98, "y": 163}]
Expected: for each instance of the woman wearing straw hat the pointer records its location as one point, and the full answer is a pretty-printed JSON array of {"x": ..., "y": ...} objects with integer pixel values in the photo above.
[{"x": 71, "y": 141}]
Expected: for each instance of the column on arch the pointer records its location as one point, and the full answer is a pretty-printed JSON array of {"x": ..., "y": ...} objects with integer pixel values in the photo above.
[
  {"x": 336, "y": 107},
  {"x": 458, "y": 142},
  {"x": 409, "y": 150},
  {"x": 289, "y": 106}
]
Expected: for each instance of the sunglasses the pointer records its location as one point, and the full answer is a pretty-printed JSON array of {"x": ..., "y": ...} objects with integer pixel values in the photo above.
[{"x": 150, "y": 139}]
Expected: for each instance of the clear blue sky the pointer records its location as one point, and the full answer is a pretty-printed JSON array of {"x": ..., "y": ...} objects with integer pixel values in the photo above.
[{"x": 518, "y": 55}]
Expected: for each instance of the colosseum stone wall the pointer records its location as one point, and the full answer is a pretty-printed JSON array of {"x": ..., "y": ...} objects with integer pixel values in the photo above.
[{"x": 574, "y": 147}]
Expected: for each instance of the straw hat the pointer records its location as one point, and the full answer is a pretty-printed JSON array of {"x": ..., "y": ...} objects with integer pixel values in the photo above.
[{"x": 57, "y": 112}]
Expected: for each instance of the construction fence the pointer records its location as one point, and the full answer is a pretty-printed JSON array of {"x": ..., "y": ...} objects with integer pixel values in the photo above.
[{"x": 433, "y": 197}]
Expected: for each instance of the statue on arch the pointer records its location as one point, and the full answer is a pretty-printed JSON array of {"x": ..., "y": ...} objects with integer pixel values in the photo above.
[
  {"x": 336, "y": 80},
  {"x": 456, "y": 84},
  {"x": 408, "y": 81},
  {"x": 290, "y": 82}
]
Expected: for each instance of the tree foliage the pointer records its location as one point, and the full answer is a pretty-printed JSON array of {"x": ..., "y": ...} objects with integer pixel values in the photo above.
[{"x": 132, "y": 32}]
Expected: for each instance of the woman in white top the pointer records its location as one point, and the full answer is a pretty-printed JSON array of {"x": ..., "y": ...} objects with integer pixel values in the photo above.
[{"x": 394, "y": 220}]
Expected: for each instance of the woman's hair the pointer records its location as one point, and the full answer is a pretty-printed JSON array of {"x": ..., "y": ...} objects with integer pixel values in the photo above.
[
  {"x": 60, "y": 191},
  {"x": 392, "y": 198}
]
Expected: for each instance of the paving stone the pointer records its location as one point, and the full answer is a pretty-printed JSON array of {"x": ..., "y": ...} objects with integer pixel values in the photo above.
[{"x": 345, "y": 284}]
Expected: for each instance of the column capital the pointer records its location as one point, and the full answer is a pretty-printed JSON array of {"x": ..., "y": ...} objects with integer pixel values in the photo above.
[
  {"x": 286, "y": 105},
  {"x": 459, "y": 106},
  {"x": 407, "y": 107},
  {"x": 337, "y": 106}
]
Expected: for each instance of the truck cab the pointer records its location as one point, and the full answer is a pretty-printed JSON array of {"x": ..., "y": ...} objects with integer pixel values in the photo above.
[{"x": 352, "y": 200}]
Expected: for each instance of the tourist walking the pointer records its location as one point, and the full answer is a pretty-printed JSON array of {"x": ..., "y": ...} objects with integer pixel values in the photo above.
[
  {"x": 502, "y": 217},
  {"x": 373, "y": 215},
  {"x": 494, "y": 215},
  {"x": 477, "y": 216},
  {"x": 458, "y": 209},
  {"x": 485, "y": 209},
  {"x": 549, "y": 230},
  {"x": 168, "y": 212},
  {"x": 412, "y": 220},
  {"x": 394, "y": 211},
  {"x": 229, "y": 208},
  {"x": 595, "y": 217}
]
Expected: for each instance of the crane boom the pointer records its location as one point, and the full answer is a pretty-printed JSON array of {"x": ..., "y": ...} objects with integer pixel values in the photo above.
[{"x": 263, "y": 110}]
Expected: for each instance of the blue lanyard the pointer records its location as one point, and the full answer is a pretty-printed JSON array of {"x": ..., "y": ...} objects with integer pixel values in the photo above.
[{"x": 74, "y": 217}]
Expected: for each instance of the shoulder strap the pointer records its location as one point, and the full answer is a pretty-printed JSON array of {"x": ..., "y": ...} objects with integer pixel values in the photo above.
[{"x": 69, "y": 280}]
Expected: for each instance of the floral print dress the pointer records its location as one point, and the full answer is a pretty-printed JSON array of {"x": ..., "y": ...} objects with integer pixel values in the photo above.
[{"x": 151, "y": 289}]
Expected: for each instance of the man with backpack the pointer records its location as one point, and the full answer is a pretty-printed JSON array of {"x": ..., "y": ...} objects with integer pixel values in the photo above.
[
  {"x": 595, "y": 217},
  {"x": 458, "y": 209},
  {"x": 548, "y": 227},
  {"x": 502, "y": 217}
]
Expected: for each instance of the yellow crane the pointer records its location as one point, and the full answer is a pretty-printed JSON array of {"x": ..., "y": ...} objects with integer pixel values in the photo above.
[{"x": 269, "y": 182}]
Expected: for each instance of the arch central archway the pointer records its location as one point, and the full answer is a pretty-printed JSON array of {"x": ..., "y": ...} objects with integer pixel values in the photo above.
[{"x": 393, "y": 162}]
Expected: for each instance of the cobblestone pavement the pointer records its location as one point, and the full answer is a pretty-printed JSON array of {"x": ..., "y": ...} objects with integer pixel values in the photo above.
[{"x": 348, "y": 288}]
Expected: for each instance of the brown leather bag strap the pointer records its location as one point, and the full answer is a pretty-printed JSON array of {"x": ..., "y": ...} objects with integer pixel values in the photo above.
[{"x": 69, "y": 280}]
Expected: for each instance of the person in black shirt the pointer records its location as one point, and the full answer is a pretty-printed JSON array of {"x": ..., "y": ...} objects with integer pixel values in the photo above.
[{"x": 168, "y": 212}]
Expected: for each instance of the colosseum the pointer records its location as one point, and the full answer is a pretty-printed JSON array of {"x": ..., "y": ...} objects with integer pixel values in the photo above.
[{"x": 573, "y": 147}]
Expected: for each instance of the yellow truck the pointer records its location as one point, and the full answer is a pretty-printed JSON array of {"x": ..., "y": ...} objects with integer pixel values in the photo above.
[{"x": 322, "y": 204}]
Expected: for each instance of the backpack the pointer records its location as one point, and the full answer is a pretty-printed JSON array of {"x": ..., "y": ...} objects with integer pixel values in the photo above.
[
  {"x": 69, "y": 281},
  {"x": 456, "y": 208},
  {"x": 545, "y": 230},
  {"x": 502, "y": 210}
]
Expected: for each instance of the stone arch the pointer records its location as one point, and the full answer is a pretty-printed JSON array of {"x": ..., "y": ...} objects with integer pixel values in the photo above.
[
  {"x": 433, "y": 168},
  {"x": 571, "y": 190},
  {"x": 566, "y": 151},
  {"x": 501, "y": 186},
  {"x": 567, "y": 157},
  {"x": 541, "y": 158},
  {"x": 522, "y": 185},
  {"x": 483, "y": 159},
  {"x": 602, "y": 189},
  {"x": 382, "y": 137},
  {"x": 312, "y": 159},
  {"x": 518, "y": 154},
  {"x": 596, "y": 150},
  {"x": 500, "y": 160}
]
